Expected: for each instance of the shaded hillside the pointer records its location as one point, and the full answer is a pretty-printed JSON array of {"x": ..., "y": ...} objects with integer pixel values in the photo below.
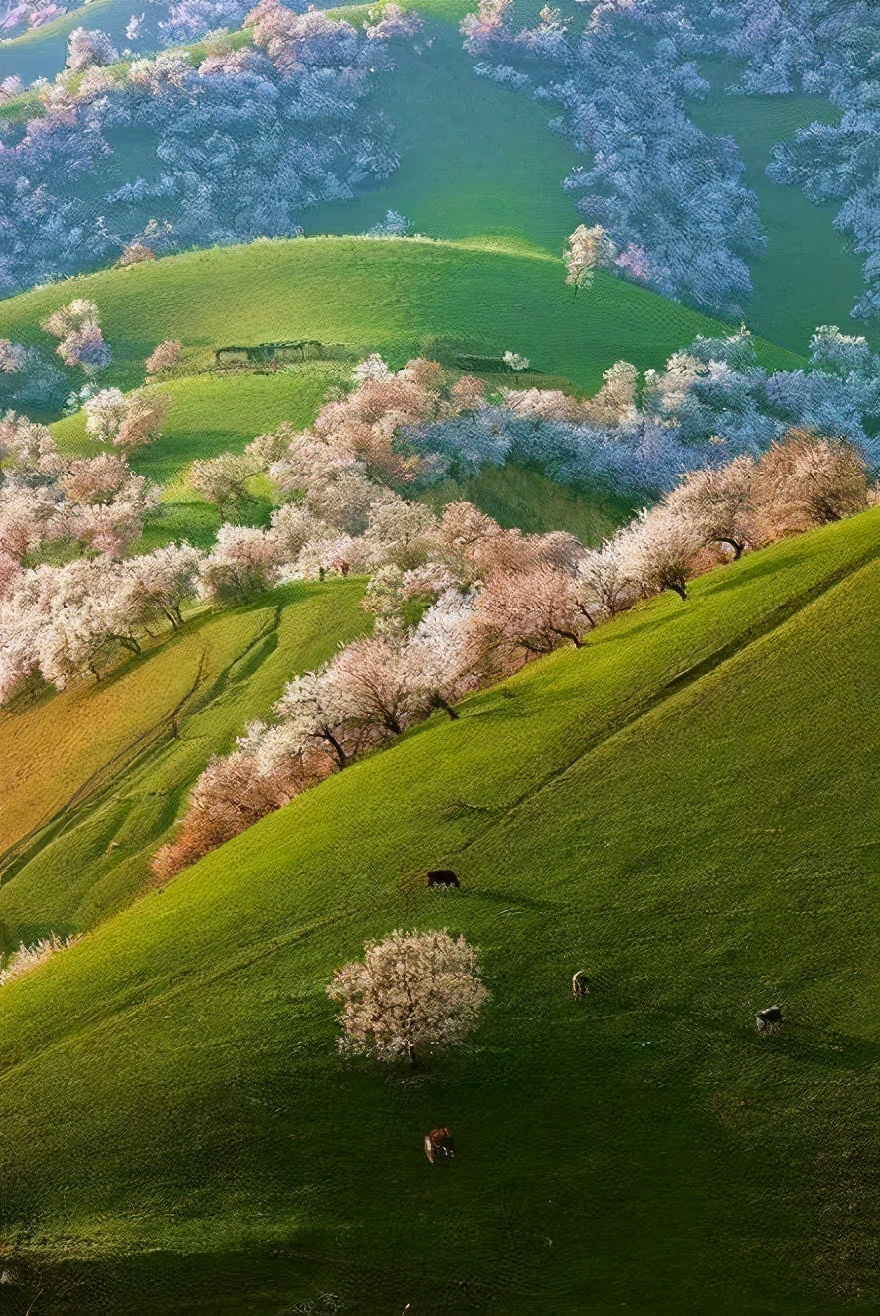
[{"x": 678, "y": 809}]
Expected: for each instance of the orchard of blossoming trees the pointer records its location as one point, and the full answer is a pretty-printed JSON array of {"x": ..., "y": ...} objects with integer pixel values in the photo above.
[
  {"x": 670, "y": 198},
  {"x": 639, "y": 435},
  {"x": 490, "y": 600},
  {"x": 236, "y": 147},
  {"x": 699, "y": 430},
  {"x": 457, "y": 600}
]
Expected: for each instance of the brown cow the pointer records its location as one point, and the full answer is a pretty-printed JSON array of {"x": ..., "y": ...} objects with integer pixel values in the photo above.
[
  {"x": 442, "y": 877},
  {"x": 439, "y": 1146}
]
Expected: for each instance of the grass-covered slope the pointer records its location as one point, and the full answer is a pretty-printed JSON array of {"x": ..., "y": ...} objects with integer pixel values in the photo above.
[
  {"x": 808, "y": 274},
  {"x": 94, "y": 778},
  {"x": 680, "y": 810},
  {"x": 382, "y": 295}
]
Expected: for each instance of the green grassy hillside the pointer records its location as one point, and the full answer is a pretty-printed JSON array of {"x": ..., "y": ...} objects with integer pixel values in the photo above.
[
  {"x": 384, "y": 295},
  {"x": 679, "y": 809},
  {"x": 94, "y": 778},
  {"x": 808, "y": 275}
]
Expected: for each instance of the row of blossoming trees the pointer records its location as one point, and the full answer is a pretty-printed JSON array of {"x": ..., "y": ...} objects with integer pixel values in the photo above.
[
  {"x": 233, "y": 147},
  {"x": 458, "y": 601},
  {"x": 341, "y": 484}
]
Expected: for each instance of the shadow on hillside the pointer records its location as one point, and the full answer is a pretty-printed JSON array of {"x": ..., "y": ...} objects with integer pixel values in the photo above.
[
  {"x": 807, "y": 1044},
  {"x": 755, "y": 567}
]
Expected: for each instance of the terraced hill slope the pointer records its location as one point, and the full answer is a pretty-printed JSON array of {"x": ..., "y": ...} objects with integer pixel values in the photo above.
[
  {"x": 680, "y": 810},
  {"x": 93, "y": 778}
]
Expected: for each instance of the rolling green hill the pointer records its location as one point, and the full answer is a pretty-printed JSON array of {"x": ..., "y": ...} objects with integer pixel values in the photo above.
[
  {"x": 680, "y": 810},
  {"x": 380, "y": 294},
  {"x": 396, "y": 295},
  {"x": 82, "y": 813}
]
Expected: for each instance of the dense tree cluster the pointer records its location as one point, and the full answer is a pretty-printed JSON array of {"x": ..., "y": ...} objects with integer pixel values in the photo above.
[
  {"x": 457, "y": 600},
  {"x": 60, "y": 622},
  {"x": 345, "y": 504},
  {"x": 95, "y": 503},
  {"x": 639, "y": 435},
  {"x": 235, "y": 147},
  {"x": 669, "y": 197}
]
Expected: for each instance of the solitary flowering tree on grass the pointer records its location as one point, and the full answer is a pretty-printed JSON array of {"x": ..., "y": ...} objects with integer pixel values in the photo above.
[
  {"x": 587, "y": 250},
  {"x": 414, "y": 992}
]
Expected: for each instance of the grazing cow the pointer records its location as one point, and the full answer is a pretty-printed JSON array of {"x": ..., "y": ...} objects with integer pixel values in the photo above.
[
  {"x": 438, "y": 1145},
  {"x": 580, "y": 985},
  {"x": 769, "y": 1021},
  {"x": 442, "y": 877}
]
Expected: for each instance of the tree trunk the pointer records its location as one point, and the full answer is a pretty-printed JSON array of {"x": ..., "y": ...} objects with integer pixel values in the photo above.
[{"x": 437, "y": 701}]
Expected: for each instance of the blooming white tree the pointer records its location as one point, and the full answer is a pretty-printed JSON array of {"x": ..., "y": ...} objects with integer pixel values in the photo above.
[
  {"x": 535, "y": 611},
  {"x": 12, "y": 357},
  {"x": 414, "y": 993},
  {"x": 604, "y": 584},
  {"x": 371, "y": 368},
  {"x": 27, "y": 451},
  {"x": 243, "y": 562},
  {"x": 81, "y": 341},
  {"x": 659, "y": 551},
  {"x": 224, "y": 481},
  {"x": 376, "y": 682},
  {"x": 587, "y": 250},
  {"x": 159, "y": 584},
  {"x": 89, "y": 48},
  {"x": 804, "y": 481},
  {"x": 403, "y": 534},
  {"x": 615, "y": 403},
  {"x": 719, "y": 504},
  {"x": 318, "y": 716},
  {"x": 104, "y": 414},
  {"x": 515, "y": 362},
  {"x": 163, "y": 357}
]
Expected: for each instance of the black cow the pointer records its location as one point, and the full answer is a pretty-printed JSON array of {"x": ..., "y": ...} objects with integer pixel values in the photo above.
[
  {"x": 439, "y": 1145},
  {"x": 769, "y": 1020},
  {"x": 442, "y": 877}
]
